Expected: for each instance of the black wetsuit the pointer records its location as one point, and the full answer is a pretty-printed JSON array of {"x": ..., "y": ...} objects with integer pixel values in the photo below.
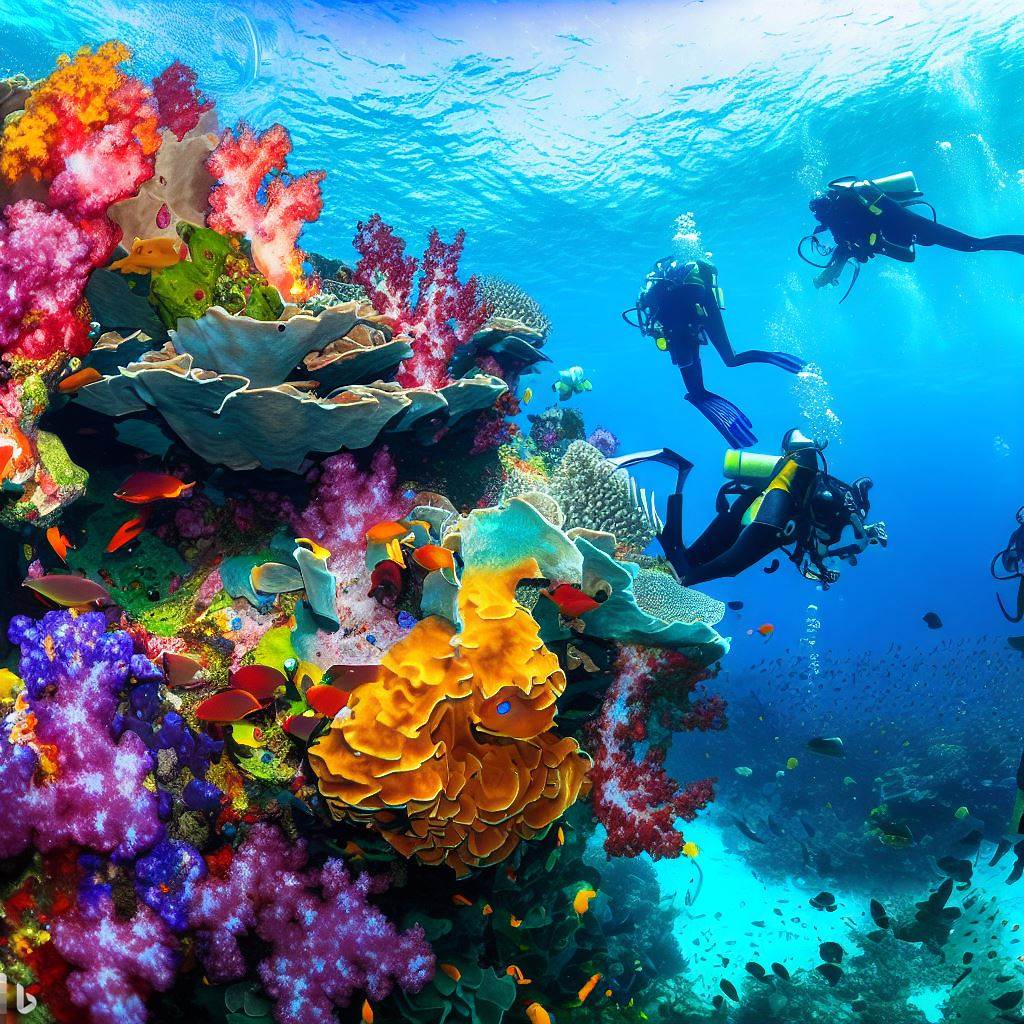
[
  {"x": 866, "y": 222},
  {"x": 800, "y": 505},
  {"x": 1011, "y": 560},
  {"x": 680, "y": 302}
]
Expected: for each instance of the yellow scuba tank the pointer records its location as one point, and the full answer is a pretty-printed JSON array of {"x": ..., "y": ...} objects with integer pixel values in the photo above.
[{"x": 749, "y": 467}]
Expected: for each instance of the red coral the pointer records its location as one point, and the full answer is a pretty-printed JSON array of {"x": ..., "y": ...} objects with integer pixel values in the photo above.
[
  {"x": 178, "y": 100},
  {"x": 633, "y": 796},
  {"x": 256, "y": 197},
  {"x": 495, "y": 427},
  {"x": 447, "y": 312}
]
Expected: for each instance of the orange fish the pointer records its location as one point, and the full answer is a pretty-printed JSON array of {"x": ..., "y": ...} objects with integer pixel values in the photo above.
[
  {"x": 536, "y": 1014},
  {"x": 515, "y": 971},
  {"x": 581, "y": 902},
  {"x": 391, "y": 534},
  {"x": 326, "y": 700},
  {"x": 8, "y": 450},
  {"x": 150, "y": 254},
  {"x": 766, "y": 630},
  {"x": 127, "y": 532},
  {"x": 588, "y": 987},
  {"x": 560, "y": 837},
  {"x": 74, "y": 381},
  {"x": 367, "y": 1015},
  {"x": 433, "y": 556},
  {"x": 143, "y": 487},
  {"x": 461, "y": 901},
  {"x": 487, "y": 910},
  {"x": 451, "y": 970},
  {"x": 514, "y": 921},
  {"x": 59, "y": 543},
  {"x": 571, "y": 601}
]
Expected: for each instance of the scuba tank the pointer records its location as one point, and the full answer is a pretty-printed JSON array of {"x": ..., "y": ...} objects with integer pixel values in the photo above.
[
  {"x": 749, "y": 467},
  {"x": 901, "y": 186}
]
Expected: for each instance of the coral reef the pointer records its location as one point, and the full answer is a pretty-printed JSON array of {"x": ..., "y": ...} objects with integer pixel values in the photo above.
[{"x": 510, "y": 303}]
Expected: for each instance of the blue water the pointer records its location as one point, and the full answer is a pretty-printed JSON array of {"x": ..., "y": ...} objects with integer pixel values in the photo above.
[
  {"x": 577, "y": 142},
  {"x": 569, "y": 138}
]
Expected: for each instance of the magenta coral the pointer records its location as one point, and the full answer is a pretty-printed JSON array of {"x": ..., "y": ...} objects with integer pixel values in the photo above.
[
  {"x": 256, "y": 197},
  {"x": 116, "y": 961},
  {"x": 447, "y": 312},
  {"x": 63, "y": 778},
  {"x": 633, "y": 796},
  {"x": 327, "y": 942},
  {"x": 178, "y": 100}
]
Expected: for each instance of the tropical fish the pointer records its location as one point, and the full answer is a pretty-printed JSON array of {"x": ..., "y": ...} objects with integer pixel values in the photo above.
[
  {"x": 275, "y": 578},
  {"x": 128, "y": 531},
  {"x": 75, "y": 381},
  {"x": 326, "y": 699},
  {"x": 780, "y": 972},
  {"x": 302, "y": 727},
  {"x": 932, "y": 620},
  {"x": 391, "y": 534},
  {"x": 227, "y": 706},
  {"x": 386, "y": 582},
  {"x": 143, "y": 487},
  {"x": 8, "y": 682},
  {"x": 433, "y": 556},
  {"x": 581, "y": 901},
  {"x": 68, "y": 591},
  {"x": 572, "y": 381},
  {"x": 830, "y": 972},
  {"x": 729, "y": 989},
  {"x": 743, "y": 771},
  {"x": 59, "y": 543},
  {"x": 536, "y": 1014},
  {"x": 348, "y": 677},
  {"x": 560, "y": 837},
  {"x": 823, "y": 901},
  {"x": 8, "y": 449},
  {"x": 588, "y": 986},
  {"x": 527, "y": 396},
  {"x": 960, "y": 813},
  {"x": 734, "y": 606},
  {"x": 766, "y": 629},
  {"x": 571, "y": 601},
  {"x": 262, "y": 681},
  {"x": 180, "y": 672},
  {"x": 878, "y": 914},
  {"x": 831, "y": 952},
  {"x": 367, "y": 1013},
  {"x": 247, "y": 735},
  {"x": 461, "y": 901},
  {"x": 1008, "y": 1000},
  {"x": 747, "y": 830},
  {"x": 451, "y": 970},
  {"x": 791, "y": 763},
  {"x": 317, "y": 550},
  {"x": 690, "y": 849},
  {"x": 827, "y": 746},
  {"x": 514, "y": 921},
  {"x": 148, "y": 254},
  {"x": 515, "y": 972}
]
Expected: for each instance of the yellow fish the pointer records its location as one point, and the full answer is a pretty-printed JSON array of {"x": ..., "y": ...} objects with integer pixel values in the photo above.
[
  {"x": 527, "y": 396},
  {"x": 149, "y": 254},
  {"x": 581, "y": 903},
  {"x": 690, "y": 849},
  {"x": 8, "y": 682},
  {"x": 791, "y": 763},
  {"x": 317, "y": 550}
]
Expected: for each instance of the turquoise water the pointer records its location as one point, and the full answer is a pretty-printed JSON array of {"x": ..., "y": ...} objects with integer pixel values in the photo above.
[{"x": 576, "y": 143}]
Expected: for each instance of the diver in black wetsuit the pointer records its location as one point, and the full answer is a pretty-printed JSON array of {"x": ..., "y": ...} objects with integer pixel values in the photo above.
[
  {"x": 874, "y": 218},
  {"x": 778, "y": 501},
  {"x": 680, "y": 306},
  {"x": 1011, "y": 561}
]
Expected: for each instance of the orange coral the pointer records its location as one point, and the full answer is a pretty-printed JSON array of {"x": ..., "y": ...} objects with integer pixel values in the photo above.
[{"x": 450, "y": 753}]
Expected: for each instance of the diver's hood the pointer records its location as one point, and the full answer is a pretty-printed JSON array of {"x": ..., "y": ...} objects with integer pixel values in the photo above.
[
  {"x": 793, "y": 440},
  {"x": 900, "y": 186}
]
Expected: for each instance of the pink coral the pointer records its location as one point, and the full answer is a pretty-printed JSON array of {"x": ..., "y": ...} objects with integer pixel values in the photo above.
[
  {"x": 178, "y": 100},
  {"x": 447, "y": 312},
  {"x": 633, "y": 796},
  {"x": 327, "y": 941},
  {"x": 116, "y": 961},
  {"x": 255, "y": 196}
]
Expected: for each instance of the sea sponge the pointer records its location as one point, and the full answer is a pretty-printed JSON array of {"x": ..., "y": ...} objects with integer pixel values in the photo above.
[{"x": 456, "y": 733}]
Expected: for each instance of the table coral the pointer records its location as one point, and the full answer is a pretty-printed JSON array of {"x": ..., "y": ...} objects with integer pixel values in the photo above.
[{"x": 457, "y": 731}]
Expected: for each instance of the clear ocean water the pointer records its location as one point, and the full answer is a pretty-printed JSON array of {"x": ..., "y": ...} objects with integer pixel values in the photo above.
[{"x": 577, "y": 142}]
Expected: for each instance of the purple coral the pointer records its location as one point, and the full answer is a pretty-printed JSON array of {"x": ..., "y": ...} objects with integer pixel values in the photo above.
[
  {"x": 604, "y": 441},
  {"x": 115, "y": 960},
  {"x": 327, "y": 941},
  {"x": 63, "y": 776},
  {"x": 167, "y": 878}
]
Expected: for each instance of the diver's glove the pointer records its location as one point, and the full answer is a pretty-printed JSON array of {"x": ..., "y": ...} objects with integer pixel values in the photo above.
[{"x": 876, "y": 534}]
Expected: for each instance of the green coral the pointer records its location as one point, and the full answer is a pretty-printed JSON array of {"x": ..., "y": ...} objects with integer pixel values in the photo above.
[{"x": 218, "y": 273}]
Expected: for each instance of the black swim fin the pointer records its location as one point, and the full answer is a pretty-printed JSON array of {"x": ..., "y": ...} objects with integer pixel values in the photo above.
[
  {"x": 664, "y": 456},
  {"x": 730, "y": 421}
]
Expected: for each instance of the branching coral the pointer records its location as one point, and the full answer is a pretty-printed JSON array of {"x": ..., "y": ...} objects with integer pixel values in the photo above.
[
  {"x": 254, "y": 196},
  {"x": 178, "y": 100},
  {"x": 446, "y": 313},
  {"x": 633, "y": 796},
  {"x": 327, "y": 941},
  {"x": 457, "y": 730},
  {"x": 58, "y": 755}
]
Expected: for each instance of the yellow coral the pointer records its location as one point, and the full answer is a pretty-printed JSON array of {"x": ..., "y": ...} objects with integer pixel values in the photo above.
[
  {"x": 450, "y": 753},
  {"x": 78, "y": 97}
]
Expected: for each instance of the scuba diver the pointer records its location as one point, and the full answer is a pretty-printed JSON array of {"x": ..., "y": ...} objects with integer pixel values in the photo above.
[
  {"x": 873, "y": 217},
  {"x": 680, "y": 306},
  {"x": 1011, "y": 561},
  {"x": 786, "y": 502}
]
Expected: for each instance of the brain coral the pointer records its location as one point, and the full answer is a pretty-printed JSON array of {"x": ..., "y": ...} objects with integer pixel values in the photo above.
[{"x": 451, "y": 753}]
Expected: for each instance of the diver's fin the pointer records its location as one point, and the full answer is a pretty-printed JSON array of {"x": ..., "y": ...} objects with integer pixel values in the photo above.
[
  {"x": 727, "y": 419},
  {"x": 853, "y": 281},
  {"x": 665, "y": 456}
]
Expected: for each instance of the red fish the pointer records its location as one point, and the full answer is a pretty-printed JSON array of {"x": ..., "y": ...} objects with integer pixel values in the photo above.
[
  {"x": 571, "y": 601},
  {"x": 326, "y": 700},
  {"x": 127, "y": 532},
  {"x": 261, "y": 681},
  {"x": 433, "y": 556},
  {"x": 69, "y": 591},
  {"x": 180, "y": 671},
  {"x": 386, "y": 582},
  {"x": 348, "y": 677},
  {"x": 302, "y": 726},
  {"x": 766, "y": 630},
  {"x": 143, "y": 487},
  {"x": 227, "y": 706},
  {"x": 7, "y": 450},
  {"x": 59, "y": 543}
]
